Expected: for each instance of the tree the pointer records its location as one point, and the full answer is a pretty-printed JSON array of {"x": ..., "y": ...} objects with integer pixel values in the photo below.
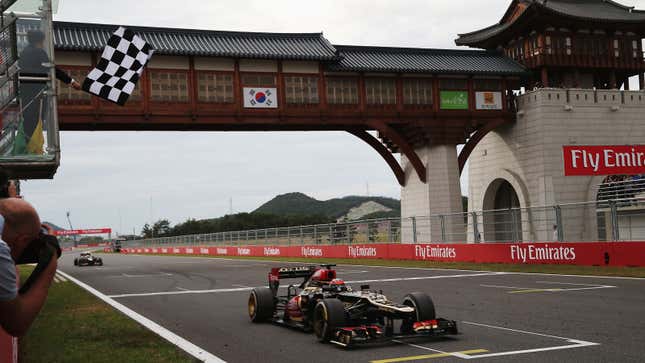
[
  {"x": 161, "y": 228},
  {"x": 146, "y": 232}
]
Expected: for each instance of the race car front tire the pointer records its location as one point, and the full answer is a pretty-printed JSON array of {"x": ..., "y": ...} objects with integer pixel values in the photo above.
[
  {"x": 261, "y": 305},
  {"x": 423, "y": 309},
  {"x": 76, "y": 262},
  {"x": 329, "y": 316}
]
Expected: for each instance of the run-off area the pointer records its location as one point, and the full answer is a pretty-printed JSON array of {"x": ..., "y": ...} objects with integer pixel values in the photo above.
[{"x": 502, "y": 316}]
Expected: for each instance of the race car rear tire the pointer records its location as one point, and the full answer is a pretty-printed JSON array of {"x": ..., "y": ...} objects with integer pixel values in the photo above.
[
  {"x": 261, "y": 305},
  {"x": 329, "y": 315},
  {"x": 422, "y": 304},
  {"x": 99, "y": 262},
  {"x": 76, "y": 262}
]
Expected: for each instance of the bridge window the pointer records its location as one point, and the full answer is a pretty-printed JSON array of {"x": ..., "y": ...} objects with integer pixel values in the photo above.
[
  {"x": 380, "y": 91},
  {"x": 67, "y": 94},
  {"x": 215, "y": 87},
  {"x": 168, "y": 86},
  {"x": 342, "y": 91},
  {"x": 264, "y": 80},
  {"x": 301, "y": 89},
  {"x": 417, "y": 91}
]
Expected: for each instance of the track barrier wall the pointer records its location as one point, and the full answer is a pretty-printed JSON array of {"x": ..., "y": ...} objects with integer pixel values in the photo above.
[{"x": 583, "y": 253}]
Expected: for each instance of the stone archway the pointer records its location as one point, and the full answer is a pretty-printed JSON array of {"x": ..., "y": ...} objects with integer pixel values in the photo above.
[{"x": 502, "y": 216}]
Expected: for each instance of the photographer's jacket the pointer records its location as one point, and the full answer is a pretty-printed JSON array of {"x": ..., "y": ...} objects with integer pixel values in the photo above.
[{"x": 8, "y": 289}]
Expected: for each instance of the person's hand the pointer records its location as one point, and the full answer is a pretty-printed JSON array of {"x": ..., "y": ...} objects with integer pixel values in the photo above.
[
  {"x": 48, "y": 228},
  {"x": 75, "y": 85}
]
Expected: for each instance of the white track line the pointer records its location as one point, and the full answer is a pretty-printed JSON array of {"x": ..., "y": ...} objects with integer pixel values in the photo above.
[
  {"x": 454, "y": 354},
  {"x": 576, "y": 343},
  {"x": 515, "y": 330},
  {"x": 570, "y": 283},
  {"x": 187, "y": 292},
  {"x": 148, "y": 275},
  {"x": 558, "y": 289},
  {"x": 173, "y": 338},
  {"x": 61, "y": 278},
  {"x": 426, "y": 277},
  {"x": 247, "y": 288}
]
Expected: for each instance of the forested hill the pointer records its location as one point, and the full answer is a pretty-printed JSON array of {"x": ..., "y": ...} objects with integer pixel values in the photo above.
[{"x": 301, "y": 204}]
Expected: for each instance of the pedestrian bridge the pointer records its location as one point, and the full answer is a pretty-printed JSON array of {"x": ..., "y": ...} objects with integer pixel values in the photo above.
[{"x": 206, "y": 81}]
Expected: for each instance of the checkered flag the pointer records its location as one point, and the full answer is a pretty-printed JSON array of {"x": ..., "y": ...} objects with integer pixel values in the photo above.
[{"x": 122, "y": 62}]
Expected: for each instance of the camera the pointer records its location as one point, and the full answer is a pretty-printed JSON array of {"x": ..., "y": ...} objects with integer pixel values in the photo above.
[
  {"x": 41, "y": 245},
  {"x": 39, "y": 251}
]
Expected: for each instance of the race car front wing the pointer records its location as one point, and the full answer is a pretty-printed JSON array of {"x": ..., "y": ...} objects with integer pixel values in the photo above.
[{"x": 366, "y": 334}]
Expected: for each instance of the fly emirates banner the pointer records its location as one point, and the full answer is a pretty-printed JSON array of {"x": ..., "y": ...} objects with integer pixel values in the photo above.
[{"x": 604, "y": 160}]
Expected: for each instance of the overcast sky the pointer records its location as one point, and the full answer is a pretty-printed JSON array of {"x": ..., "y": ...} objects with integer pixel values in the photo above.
[{"x": 123, "y": 180}]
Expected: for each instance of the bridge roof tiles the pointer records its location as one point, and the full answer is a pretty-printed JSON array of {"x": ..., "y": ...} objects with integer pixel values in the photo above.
[
  {"x": 170, "y": 41},
  {"x": 292, "y": 46},
  {"x": 418, "y": 60},
  {"x": 604, "y": 11}
]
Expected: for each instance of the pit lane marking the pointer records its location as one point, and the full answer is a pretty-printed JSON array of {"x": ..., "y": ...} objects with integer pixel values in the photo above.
[{"x": 430, "y": 356}]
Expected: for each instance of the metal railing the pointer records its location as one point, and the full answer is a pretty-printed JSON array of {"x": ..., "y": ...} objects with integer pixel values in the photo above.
[
  {"x": 605, "y": 220},
  {"x": 625, "y": 188}
]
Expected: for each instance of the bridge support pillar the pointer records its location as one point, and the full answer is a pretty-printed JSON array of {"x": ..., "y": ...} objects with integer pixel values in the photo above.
[{"x": 436, "y": 205}]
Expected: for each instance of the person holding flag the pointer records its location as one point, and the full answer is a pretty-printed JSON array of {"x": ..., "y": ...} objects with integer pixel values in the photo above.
[{"x": 32, "y": 63}]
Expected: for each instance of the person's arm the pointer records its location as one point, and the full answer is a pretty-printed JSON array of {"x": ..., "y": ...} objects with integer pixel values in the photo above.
[
  {"x": 17, "y": 315},
  {"x": 62, "y": 76}
]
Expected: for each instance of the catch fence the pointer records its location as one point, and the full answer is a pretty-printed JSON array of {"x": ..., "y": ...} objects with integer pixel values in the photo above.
[{"x": 620, "y": 219}]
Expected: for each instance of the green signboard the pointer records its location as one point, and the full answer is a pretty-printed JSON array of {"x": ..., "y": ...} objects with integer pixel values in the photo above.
[{"x": 454, "y": 100}]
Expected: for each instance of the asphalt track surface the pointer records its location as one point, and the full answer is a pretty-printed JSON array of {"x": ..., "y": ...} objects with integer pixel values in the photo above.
[{"x": 503, "y": 317}]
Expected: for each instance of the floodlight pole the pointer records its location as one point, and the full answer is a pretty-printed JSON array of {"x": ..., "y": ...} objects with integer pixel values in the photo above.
[{"x": 71, "y": 228}]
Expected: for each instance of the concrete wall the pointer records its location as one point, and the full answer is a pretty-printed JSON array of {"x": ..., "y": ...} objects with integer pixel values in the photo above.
[
  {"x": 529, "y": 154},
  {"x": 441, "y": 195}
]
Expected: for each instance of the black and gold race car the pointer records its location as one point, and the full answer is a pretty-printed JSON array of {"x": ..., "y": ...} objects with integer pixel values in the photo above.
[
  {"x": 87, "y": 259},
  {"x": 338, "y": 314}
]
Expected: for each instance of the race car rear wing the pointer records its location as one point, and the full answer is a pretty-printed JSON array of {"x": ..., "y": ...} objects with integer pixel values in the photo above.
[
  {"x": 304, "y": 272},
  {"x": 292, "y": 272}
]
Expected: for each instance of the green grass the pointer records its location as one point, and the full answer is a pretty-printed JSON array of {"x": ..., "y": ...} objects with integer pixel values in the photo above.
[
  {"x": 75, "y": 326},
  {"x": 548, "y": 269}
]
